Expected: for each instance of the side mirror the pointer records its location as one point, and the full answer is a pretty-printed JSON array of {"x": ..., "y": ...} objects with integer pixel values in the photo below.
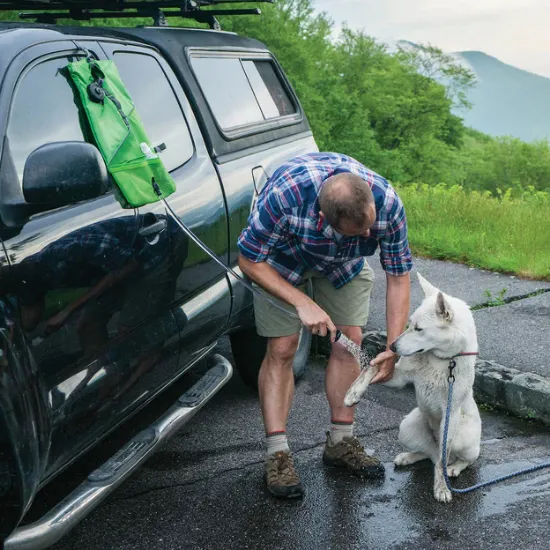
[{"x": 57, "y": 174}]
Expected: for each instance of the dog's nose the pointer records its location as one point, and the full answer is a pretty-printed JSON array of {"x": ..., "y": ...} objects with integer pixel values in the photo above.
[{"x": 393, "y": 348}]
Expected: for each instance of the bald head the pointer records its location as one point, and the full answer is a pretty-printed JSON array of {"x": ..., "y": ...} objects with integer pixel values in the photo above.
[{"x": 346, "y": 201}]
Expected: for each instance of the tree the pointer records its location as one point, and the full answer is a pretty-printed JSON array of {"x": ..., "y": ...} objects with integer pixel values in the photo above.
[{"x": 442, "y": 67}]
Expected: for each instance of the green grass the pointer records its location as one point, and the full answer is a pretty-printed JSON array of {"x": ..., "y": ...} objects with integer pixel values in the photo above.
[{"x": 501, "y": 233}]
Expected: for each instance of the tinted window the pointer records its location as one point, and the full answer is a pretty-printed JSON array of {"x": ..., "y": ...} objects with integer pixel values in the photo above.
[
  {"x": 227, "y": 91},
  {"x": 44, "y": 111},
  {"x": 250, "y": 93},
  {"x": 157, "y": 106},
  {"x": 268, "y": 87}
]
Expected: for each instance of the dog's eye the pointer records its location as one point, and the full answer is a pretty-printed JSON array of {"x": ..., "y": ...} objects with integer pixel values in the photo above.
[{"x": 418, "y": 329}]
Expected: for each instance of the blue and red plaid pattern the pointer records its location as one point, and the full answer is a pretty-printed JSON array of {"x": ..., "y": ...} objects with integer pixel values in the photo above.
[{"x": 286, "y": 231}]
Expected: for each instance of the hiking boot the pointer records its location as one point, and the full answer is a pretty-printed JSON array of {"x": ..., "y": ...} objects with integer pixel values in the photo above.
[
  {"x": 281, "y": 477},
  {"x": 349, "y": 454}
]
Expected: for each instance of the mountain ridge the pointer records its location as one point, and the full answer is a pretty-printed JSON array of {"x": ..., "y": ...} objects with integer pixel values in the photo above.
[{"x": 506, "y": 100}]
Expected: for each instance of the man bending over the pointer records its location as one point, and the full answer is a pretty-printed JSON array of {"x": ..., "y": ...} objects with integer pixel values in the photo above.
[{"x": 317, "y": 218}]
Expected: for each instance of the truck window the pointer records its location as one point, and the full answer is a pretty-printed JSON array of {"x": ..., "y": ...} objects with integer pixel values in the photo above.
[
  {"x": 252, "y": 91},
  {"x": 43, "y": 111},
  {"x": 269, "y": 90},
  {"x": 157, "y": 106}
]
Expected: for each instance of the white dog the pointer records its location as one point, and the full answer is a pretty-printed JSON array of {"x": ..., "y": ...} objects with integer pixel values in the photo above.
[{"x": 441, "y": 328}]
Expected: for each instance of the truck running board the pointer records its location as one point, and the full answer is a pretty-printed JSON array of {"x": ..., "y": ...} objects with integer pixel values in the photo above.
[{"x": 103, "y": 481}]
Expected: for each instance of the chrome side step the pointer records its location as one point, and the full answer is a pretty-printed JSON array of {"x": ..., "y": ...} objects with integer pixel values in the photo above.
[{"x": 103, "y": 481}]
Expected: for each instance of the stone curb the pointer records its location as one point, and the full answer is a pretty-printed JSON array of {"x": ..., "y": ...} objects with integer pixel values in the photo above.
[{"x": 523, "y": 394}]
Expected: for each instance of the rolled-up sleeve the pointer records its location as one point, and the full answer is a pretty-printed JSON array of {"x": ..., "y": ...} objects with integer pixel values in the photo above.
[
  {"x": 266, "y": 227},
  {"x": 395, "y": 254}
]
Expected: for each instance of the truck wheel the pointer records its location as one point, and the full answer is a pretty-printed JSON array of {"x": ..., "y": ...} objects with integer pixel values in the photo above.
[{"x": 249, "y": 351}]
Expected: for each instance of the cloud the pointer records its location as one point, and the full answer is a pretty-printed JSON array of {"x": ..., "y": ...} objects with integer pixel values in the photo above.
[{"x": 515, "y": 31}]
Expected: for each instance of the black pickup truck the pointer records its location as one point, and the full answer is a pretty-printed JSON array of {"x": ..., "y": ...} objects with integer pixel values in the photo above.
[{"x": 102, "y": 307}]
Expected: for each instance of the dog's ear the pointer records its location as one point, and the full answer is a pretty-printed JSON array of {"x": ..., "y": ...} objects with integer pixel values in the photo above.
[
  {"x": 428, "y": 288},
  {"x": 442, "y": 308}
]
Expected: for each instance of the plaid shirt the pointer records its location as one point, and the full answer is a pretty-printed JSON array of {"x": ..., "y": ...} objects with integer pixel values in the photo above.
[{"x": 285, "y": 229}]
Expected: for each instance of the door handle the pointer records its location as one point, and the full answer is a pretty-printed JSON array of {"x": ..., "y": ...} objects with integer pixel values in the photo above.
[
  {"x": 153, "y": 229},
  {"x": 259, "y": 177}
]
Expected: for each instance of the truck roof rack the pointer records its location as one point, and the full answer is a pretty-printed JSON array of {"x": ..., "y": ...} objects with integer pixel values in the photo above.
[{"x": 44, "y": 11}]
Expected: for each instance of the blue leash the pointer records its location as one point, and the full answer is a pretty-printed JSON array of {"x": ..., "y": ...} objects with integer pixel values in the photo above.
[{"x": 452, "y": 365}]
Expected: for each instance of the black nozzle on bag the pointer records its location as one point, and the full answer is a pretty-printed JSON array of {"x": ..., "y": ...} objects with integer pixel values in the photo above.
[{"x": 337, "y": 337}]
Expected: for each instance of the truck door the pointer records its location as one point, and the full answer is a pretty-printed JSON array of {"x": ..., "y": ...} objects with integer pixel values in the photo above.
[
  {"x": 198, "y": 291},
  {"x": 79, "y": 273}
]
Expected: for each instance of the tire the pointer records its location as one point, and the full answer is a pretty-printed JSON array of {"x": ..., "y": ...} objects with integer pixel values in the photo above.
[{"x": 249, "y": 349}]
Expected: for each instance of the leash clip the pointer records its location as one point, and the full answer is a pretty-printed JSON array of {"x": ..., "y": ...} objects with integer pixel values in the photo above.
[{"x": 452, "y": 365}]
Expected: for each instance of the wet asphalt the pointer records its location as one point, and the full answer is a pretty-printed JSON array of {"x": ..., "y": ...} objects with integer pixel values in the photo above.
[{"x": 204, "y": 490}]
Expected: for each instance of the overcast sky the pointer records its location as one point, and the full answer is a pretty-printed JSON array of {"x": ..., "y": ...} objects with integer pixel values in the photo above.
[{"x": 515, "y": 31}]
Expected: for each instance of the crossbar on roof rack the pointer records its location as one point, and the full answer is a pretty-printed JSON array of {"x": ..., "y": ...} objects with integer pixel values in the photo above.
[
  {"x": 110, "y": 5},
  {"x": 157, "y": 10}
]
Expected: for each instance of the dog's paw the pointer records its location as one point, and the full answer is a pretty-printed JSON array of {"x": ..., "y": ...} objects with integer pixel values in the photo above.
[
  {"x": 453, "y": 472},
  {"x": 456, "y": 468},
  {"x": 351, "y": 398},
  {"x": 442, "y": 494},
  {"x": 404, "y": 459}
]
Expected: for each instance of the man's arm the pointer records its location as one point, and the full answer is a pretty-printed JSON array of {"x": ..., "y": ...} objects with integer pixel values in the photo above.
[
  {"x": 396, "y": 259},
  {"x": 311, "y": 315},
  {"x": 398, "y": 300},
  {"x": 398, "y": 297}
]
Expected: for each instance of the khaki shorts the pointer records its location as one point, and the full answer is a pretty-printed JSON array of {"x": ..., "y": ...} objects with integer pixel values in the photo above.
[{"x": 348, "y": 306}]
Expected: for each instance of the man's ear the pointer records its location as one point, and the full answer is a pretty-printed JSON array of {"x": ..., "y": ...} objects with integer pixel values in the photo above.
[{"x": 442, "y": 308}]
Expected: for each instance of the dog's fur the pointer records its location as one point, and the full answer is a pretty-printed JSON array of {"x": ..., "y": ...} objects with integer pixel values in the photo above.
[{"x": 440, "y": 328}]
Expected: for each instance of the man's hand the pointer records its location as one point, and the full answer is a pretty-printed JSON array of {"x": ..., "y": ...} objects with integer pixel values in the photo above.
[
  {"x": 385, "y": 362},
  {"x": 315, "y": 319},
  {"x": 312, "y": 316}
]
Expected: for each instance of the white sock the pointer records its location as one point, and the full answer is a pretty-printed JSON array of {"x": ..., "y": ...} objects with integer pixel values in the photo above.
[
  {"x": 339, "y": 430},
  {"x": 276, "y": 441}
]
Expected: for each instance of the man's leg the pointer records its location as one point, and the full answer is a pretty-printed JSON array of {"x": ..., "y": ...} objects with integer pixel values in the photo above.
[
  {"x": 348, "y": 308},
  {"x": 276, "y": 389},
  {"x": 276, "y": 382},
  {"x": 342, "y": 370},
  {"x": 343, "y": 449}
]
